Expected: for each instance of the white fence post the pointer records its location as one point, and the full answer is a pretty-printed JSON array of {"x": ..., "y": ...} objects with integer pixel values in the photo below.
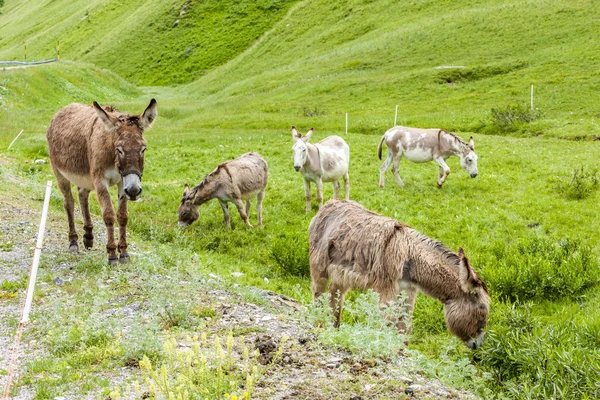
[
  {"x": 346, "y": 123},
  {"x": 396, "y": 116},
  {"x": 532, "y": 97}
]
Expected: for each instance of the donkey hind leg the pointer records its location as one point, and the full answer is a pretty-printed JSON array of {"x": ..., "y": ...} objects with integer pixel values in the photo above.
[
  {"x": 336, "y": 189},
  {"x": 259, "y": 200},
  {"x": 69, "y": 204},
  {"x": 336, "y": 301},
  {"x": 225, "y": 208},
  {"x": 240, "y": 206},
  {"x": 88, "y": 226},
  {"x": 444, "y": 171},
  {"x": 396, "y": 169},
  {"x": 384, "y": 167},
  {"x": 122, "y": 218},
  {"x": 347, "y": 185}
]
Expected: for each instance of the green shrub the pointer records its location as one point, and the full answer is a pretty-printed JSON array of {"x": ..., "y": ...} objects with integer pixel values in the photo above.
[
  {"x": 290, "y": 252},
  {"x": 579, "y": 185},
  {"x": 141, "y": 344},
  {"x": 533, "y": 360},
  {"x": 540, "y": 268},
  {"x": 512, "y": 118}
]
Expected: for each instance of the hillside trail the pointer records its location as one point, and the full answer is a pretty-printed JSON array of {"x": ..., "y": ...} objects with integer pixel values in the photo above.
[{"x": 306, "y": 370}]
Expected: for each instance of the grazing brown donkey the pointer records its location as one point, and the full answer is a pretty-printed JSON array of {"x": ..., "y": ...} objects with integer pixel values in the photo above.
[
  {"x": 233, "y": 181},
  {"x": 94, "y": 148},
  {"x": 357, "y": 248}
]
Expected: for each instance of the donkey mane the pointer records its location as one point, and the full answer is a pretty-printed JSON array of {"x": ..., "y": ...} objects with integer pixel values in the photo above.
[
  {"x": 206, "y": 180},
  {"x": 446, "y": 254}
]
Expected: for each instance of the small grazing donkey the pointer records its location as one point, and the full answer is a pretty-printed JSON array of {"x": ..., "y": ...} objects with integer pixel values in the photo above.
[
  {"x": 233, "y": 181},
  {"x": 357, "y": 248},
  {"x": 94, "y": 148},
  {"x": 326, "y": 161},
  {"x": 423, "y": 145}
]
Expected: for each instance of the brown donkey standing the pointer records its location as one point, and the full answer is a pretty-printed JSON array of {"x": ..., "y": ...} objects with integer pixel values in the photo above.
[
  {"x": 94, "y": 148},
  {"x": 356, "y": 248}
]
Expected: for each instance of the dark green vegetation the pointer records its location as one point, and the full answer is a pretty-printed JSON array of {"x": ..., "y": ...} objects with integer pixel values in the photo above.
[{"x": 528, "y": 222}]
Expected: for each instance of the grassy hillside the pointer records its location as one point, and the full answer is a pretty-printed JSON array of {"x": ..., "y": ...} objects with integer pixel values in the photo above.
[{"x": 146, "y": 42}]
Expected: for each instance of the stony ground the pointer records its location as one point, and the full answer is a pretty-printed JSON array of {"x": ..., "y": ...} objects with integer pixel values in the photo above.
[{"x": 306, "y": 370}]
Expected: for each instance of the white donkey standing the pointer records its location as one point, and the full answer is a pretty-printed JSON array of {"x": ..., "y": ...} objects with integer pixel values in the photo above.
[
  {"x": 423, "y": 145},
  {"x": 326, "y": 161}
]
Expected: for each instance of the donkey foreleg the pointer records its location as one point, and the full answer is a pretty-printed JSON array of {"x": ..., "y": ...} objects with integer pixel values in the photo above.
[
  {"x": 69, "y": 204},
  {"x": 259, "y": 200},
  {"x": 336, "y": 189},
  {"x": 225, "y": 208},
  {"x": 240, "y": 206},
  {"x": 336, "y": 301},
  {"x": 319, "y": 185},
  {"x": 384, "y": 167},
  {"x": 401, "y": 314},
  {"x": 444, "y": 171},
  {"x": 307, "y": 194},
  {"x": 347, "y": 185},
  {"x": 88, "y": 226},
  {"x": 122, "y": 218},
  {"x": 108, "y": 214}
]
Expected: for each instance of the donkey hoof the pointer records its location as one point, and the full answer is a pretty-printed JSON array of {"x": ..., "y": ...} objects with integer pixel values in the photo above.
[
  {"x": 88, "y": 243},
  {"x": 124, "y": 258},
  {"x": 112, "y": 261},
  {"x": 73, "y": 247}
]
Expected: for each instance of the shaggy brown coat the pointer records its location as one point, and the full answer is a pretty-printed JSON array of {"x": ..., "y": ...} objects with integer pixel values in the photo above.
[
  {"x": 94, "y": 148},
  {"x": 233, "y": 181},
  {"x": 356, "y": 248}
]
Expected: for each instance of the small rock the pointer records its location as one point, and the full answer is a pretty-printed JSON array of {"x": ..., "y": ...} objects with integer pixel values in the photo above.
[
  {"x": 237, "y": 274},
  {"x": 266, "y": 280},
  {"x": 58, "y": 281},
  {"x": 266, "y": 318},
  {"x": 40, "y": 161}
]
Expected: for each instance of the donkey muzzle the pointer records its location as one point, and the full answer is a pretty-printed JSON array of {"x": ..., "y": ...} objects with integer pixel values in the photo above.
[
  {"x": 132, "y": 185},
  {"x": 297, "y": 168},
  {"x": 474, "y": 175},
  {"x": 475, "y": 343},
  {"x": 182, "y": 224}
]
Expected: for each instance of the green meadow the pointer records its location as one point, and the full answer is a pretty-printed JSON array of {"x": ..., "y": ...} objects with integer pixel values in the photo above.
[{"x": 233, "y": 77}]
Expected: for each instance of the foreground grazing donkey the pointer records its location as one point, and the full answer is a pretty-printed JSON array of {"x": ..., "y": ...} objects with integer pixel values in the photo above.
[
  {"x": 326, "y": 161},
  {"x": 94, "y": 148},
  {"x": 235, "y": 181},
  {"x": 423, "y": 145},
  {"x": 357, "y": 248}
]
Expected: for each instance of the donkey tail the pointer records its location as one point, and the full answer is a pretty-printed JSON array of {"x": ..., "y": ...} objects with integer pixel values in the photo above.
[{"x": 379, "y": 147}]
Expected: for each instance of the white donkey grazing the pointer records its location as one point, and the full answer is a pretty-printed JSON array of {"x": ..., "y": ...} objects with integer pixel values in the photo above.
[
  {"x": 423, "y": 145},
  {"x": 326, "y": 161}
]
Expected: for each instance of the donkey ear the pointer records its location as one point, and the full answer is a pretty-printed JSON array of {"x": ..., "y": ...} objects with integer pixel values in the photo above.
[
  {"x": 468, "y": 279},
  {"x": 105, "y": 118},
  {"x": 295, "y": 134},
  {"x": 472, "y": 143},
  {"x": 308, "y": 135},
  {"x": 186, "y": 190},
  {"x": 149, "y": 114}
]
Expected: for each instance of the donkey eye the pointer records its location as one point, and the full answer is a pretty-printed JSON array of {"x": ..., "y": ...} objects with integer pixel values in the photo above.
[{"x": 143, "y": 150}]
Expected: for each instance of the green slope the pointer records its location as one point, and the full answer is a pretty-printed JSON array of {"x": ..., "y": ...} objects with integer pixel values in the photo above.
[{"x": 146, "y": 42}]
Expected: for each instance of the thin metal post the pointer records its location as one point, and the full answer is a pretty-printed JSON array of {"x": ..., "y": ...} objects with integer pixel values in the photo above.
[
  {"x": 396, "y": 116},
  {"x": 532, "y": 97},
  {"x": 346, "y": 123}
]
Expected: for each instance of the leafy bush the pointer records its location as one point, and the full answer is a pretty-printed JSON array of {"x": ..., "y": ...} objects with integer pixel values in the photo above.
[
  {"x": 290, "y": 252},
  {"x": 540, "y": 268},
  {"x": 459, "y": 74},
  {"x": 141, "y": 344},
  {"x": 313, "y": 112},
  {"x": 533, "y": 360},
  {"x": 579, "y": 185},
  {"x": 366, "y": 330},
  {"x": 511, "y": 118}
]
